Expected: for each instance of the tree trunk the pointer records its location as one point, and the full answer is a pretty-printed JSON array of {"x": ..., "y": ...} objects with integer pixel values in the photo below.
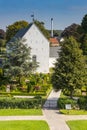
[{"x": 71, "y": 94}]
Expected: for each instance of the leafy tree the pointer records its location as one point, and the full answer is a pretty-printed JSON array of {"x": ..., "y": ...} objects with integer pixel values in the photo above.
[
  {"x": 84, "y": 44},
  {"x": 83, "y": 39},
  {"x": 84, "y": 24},
  {"x": 72, "y": 30},
  {"x": 2, "y": 34},
  {"x": 40, "y": 25},
  {"x": 14, "y": 28},
  {"x": 2, "y": 39},
  {"x": 18, "y": 61},
  {"x": 69, "y": 72}
]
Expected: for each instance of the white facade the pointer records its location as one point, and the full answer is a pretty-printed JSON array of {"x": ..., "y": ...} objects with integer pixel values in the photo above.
[
  {"x": 54, "y": 54},
  {"x": 52, "y": 61},
  {"x": 39, "y": 47}
]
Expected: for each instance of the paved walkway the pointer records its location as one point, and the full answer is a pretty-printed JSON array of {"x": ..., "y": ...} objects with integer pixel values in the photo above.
[
  {"x": 55, "y": 120},
  {"x": 52, "y": 115}
]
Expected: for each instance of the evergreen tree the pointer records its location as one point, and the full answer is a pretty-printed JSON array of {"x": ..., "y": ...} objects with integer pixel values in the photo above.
[
  {"x": 69, "y": 72},
  {"x": 84, "y": 24},
  {"x": 18, "y": 61},
  {"x": 84, "y": 44}
]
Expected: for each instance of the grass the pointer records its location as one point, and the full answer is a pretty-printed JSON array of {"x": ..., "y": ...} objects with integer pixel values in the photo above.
[
  {"x": 77, "y": 125},
  {"x": 23, "y": 125},
  {"x": 15, "y": 112},
  {"x": 73, "y": 112}
]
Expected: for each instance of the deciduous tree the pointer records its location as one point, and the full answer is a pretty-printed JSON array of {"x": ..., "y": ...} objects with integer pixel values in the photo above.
[
  {"x": 14, "y": 28},
  {"x": 69, "y": 72}
]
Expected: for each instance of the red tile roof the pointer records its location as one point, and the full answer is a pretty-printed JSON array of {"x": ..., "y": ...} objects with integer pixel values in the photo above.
[{"x": 54, "y": 41}]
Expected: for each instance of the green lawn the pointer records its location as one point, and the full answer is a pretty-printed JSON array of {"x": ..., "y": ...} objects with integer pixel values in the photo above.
[
  {"x": 23, "y": 125},
  {"x": 77, "y": 125},
  {"x": 15, "y": 112},
  {"x": 73, "y": 112}
]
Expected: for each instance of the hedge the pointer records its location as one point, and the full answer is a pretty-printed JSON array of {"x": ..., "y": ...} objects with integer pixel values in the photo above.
[
  {"x": 63, "y": 101},
  {"x": 13, "y": 103},
  {"x": 82, "y": 102},
  {"x": 23, "y": 94}
]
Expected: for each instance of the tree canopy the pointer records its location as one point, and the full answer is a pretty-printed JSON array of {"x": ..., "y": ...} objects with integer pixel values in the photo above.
[
  {"x": 84, "y": 24},
  {"x": 40, "y": 25},
  {"x": 72, "y": 30},
  {"x": 69, "y": 72},
  {"x": 14, "y": 28},
  {"x": 18, "y": 61}
]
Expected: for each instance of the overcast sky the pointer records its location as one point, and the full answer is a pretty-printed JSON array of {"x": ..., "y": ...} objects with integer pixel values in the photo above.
[{"x": 63, "y": 12}]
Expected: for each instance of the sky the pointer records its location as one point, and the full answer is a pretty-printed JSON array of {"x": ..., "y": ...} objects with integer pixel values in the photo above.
[{"x": 63, "y": 12}]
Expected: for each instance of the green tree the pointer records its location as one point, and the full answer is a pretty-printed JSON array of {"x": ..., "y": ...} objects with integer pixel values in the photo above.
[
  {"x": 40, "y": 25},
  {"x": 72, "y": 30},
  {"x": 18, "y": 61},
  {"x": 84, "y": 44},
  {"x": 84, "y": 24},
  {"x": 69, "y": 72},
  {"x": 14, "y": 28}
]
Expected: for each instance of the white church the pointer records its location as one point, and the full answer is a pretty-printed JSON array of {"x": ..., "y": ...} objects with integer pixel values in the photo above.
[{"x": 40, "y": 47}]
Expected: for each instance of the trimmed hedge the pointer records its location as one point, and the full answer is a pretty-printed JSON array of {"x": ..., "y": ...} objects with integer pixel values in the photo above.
[
  {"x": 23, "y": 94},
  {"x": 82, "y": 102},
  {"x": 63, "y": 101},
  {"x": 13, "y": 103}
]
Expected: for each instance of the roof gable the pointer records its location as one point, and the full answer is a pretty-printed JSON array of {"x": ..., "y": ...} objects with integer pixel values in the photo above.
[{"x": 22, "y": 32}]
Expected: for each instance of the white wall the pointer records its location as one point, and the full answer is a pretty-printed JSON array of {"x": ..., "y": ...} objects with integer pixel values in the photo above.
[
  {"x": 39, "y": 47},
  {"x": 52, "y": 60}
]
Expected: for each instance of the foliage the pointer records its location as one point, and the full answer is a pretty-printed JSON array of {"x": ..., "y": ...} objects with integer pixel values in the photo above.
[
  {"x": 63, "y": 101},
  {"x": 40, "y": 25},
  {"x": 84, "y": 44},
  {"x": 18, "y": 61},
  {"x": 69, "y": 72},
  {"x": 14, "y": 28},
  {"x": 82, "y": 101},
  {"x": 24, "y": 125},
  {"x": 72, "y": 30},
  {"x": 56, "y": 33},
  {"x": 37, "y": 93},
  {"x": 84, "y": 24},
  {"x": 73, "y": 112},
  {"x": 2, "y": 34},
  {"x": 12, "y": 103},
  {"x": 38, "y": 83}
]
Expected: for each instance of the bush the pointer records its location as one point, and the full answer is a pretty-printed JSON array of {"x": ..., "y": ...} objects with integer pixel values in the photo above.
[
  {"x": 63, "y": 101},
  {"x": 13, "y": 103},
  {"x": 82, "y": 102},
  {"x": 41, "y": 93}
]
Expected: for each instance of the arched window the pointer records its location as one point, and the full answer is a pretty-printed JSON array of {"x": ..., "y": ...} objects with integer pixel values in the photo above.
[{"x": 34, "y": 58}]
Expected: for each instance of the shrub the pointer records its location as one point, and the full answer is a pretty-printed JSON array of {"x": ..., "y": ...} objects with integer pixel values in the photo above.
[
  {"x": 63, "y": 101},
  {"x": 82, "y": 102},
  {"x": 19, "y": 103}
]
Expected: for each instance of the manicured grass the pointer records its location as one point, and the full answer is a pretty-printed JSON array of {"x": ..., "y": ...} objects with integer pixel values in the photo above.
[
  {"x": 15, "y": 112},
  {"x": 23, "y": 125},
  {"x": 77, "y": 125},
  {"x": 73, "y": 112}
]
